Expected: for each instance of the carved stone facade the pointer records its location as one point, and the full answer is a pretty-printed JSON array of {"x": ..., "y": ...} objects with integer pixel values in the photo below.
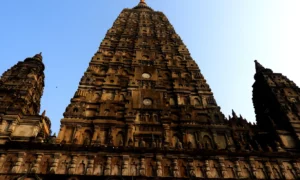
[{"x": 143, "y": 110}]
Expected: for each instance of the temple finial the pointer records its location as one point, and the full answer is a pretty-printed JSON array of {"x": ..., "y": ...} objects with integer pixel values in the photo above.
[
  {"x": 258, "y": 66},
  {"x": 234, "y": 114},
  {"x": 38, "y": 56},
  {"x": 142, "y": 1}
]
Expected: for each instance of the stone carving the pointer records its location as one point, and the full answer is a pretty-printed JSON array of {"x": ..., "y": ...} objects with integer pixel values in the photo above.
[
  {"x": 207, "y": 169},
  {"x": 238, "y": 169},
  {"x": 125, "y": 166},
  {"x": 107, "y": 169},
  {"x": 36, "y": 164},
  {"x": 179, "y": 144},
  {"x": 175, "y": 171},
  {"x": 133, "y": 169},
  {"x": 142, "y": 143},
  {"x": 17, "y": 164},
  {"x": 90, "y": 165},
  {"x": 191, "y": 169},
  {"x": 158, "y": 169},
  {"x": 72, "y": 166},
  {"x": 108, "y": 130},
  {"x": 142, "y": 167}
]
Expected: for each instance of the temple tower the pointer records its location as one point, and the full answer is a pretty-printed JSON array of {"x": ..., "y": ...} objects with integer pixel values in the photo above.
[
  {"x": 143, "y": 110},
  {"x": 21, "y": 89},
  {"x": 276, "y": 101},
  {"x": 142, "y": 88}
]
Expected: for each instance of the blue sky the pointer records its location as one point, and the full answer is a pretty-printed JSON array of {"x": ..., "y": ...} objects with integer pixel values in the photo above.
[{"x": 223, "y": 36}]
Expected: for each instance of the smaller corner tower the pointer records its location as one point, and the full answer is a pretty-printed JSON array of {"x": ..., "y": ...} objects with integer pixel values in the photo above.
[
  {"x": 276, "y": 101},
  {"x": 21, "y": 89}
]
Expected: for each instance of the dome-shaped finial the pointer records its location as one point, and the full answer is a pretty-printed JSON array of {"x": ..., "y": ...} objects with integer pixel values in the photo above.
[
  {"x": 38, "y": 56},
  {"x": 142, "y": 1}
]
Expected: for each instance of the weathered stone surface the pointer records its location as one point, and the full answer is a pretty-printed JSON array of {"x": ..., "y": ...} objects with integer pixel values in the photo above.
[{"x": 143, "y": 110}]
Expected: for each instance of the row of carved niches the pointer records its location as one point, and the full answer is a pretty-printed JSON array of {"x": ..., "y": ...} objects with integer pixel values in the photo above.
[
  {"x": 114, "y": 75},
  {"x": 155, "y": 136},
  {"x": 83, "y": 97},
  {"x": 149, "y": 166}
]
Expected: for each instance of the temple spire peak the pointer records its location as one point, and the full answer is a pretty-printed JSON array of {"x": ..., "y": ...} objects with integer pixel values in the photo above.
[
  {"x": 258, "y": 66},
  {"x": 142, "y": 5}
]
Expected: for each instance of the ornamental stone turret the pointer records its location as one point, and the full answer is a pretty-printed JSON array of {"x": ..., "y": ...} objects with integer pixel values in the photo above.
[
  {"x": 276, "y": 101},
  {"x": 21, "y": 89}
]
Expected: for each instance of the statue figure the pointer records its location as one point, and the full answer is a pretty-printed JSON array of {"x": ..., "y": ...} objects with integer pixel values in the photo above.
[
  {"x": 86, "y": 141},
  {"x": 142, "y": 143},
  {"x": 98, "y": 141},
  {"x": 110, "y": 138},
  {"x": 121, "y": 142},
  {"x": 179, "y": 144},
  {"x": 207, "y": 145}
]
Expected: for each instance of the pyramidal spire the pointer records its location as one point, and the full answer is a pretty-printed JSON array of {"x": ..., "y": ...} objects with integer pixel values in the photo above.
[{"x": 258, "y": 66}]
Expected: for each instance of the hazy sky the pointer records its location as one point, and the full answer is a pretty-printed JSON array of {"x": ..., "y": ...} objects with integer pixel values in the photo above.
[{"x": 224, "y": 37}]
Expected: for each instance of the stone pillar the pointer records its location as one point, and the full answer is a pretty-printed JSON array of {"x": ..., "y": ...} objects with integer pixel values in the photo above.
[
  {"x": 142, "y": 167},
  {"x": 191, "y": 168},
  {"x": 222, "y": 167},
  {"x": 238, "y": 169},
  {"x": 90, "y": 165},
  {"x": 282, "y": 169},
  {"x": 158, "y": 166},
  {"x": 268, "y": 170},
  {"x": 253, "y": 167},
  {"x": 125, "y": 167},
  {"x": 54, "y": 163},
  {"x": 207, "y": 169},
  {"x": 72, "y": 166},
  {"x": 18, "y": 163},
  {"x": 175, "y": 168},
  {"x": 36, "y": 164},
  {"x": 107, "y": 168}
]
